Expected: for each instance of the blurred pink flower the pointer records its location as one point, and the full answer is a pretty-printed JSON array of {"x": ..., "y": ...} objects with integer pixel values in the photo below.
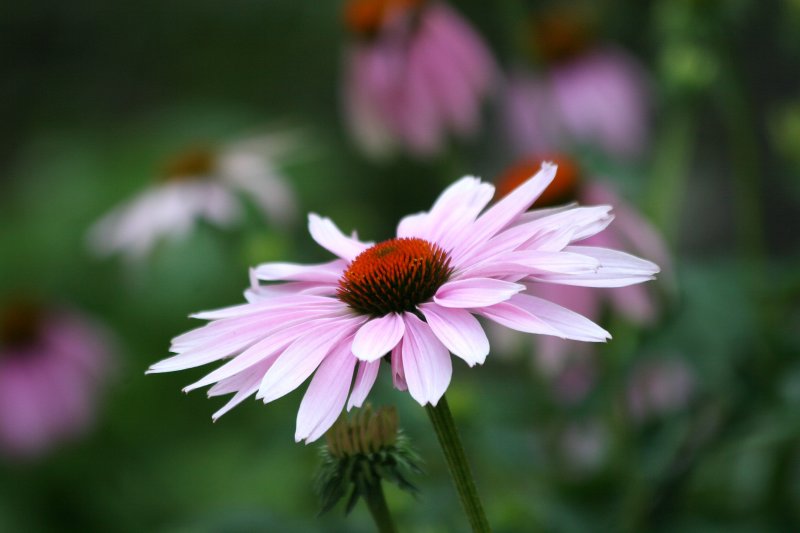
[
  {"x": 200, "y": 184},
  {"x": 659, "y": 387},
  {"x": 415, "y": 71},
  {"x": 630, "y": 231},
  {"x": 53, "y": 364},
  {"x": 414, "y": 297},
  {"x": 600, "y": 97}
]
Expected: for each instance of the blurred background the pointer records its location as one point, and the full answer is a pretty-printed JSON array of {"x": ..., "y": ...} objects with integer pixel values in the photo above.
[{"x": 684, "y": 114}]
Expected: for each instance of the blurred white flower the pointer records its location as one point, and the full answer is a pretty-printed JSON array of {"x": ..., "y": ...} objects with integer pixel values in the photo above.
[{"x": 201, "y": 183}]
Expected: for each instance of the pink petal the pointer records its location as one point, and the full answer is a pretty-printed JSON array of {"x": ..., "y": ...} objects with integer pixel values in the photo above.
[
  {"x": 377, "y": 337},
  {"x": 617, "y": 269},
  {"x": 365, "y": 379},
  {"x": 452, "y": 213},
  {"x": 327, "y": 235},
  {"x": 426, "y": 363},
  {"x": 244, "y": 385},
  {"x": 459, "y": 331},
  {"x": 502, "y": 213},
  {"x": 570, "y": 325},
  {"x": 475, "y": 292},
  {"x": 326, "y": 395},
  {"x": 302, "y": 357},
  {"x": 398, "y": 377},
  {"x": 323, "y": 273}
]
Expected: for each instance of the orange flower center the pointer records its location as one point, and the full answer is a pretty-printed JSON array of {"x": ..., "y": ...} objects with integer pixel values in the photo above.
[
  {"x": 394, "y": 276},
  {"x": 19, "y": 323},
  {"x": 366, "y": 17},
  {"x": 195, "y": 163},
  {"x": 563, "y": 189}
]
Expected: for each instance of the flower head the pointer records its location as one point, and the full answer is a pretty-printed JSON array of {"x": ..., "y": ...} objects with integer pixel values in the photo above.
[
  {"x": 52, "y": 365},
  {"x": 414, "y": 72},
  {"x": 200, "y": 183},
  {"x": 414, "y": 298},
  {"x": 587, "y": 93},
  {"x": 360, "y": 453}
]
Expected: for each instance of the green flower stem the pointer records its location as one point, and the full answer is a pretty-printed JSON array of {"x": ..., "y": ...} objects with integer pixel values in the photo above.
[
  {"x": 457, "y": 463},
  {"x": 376, "y": 502}
]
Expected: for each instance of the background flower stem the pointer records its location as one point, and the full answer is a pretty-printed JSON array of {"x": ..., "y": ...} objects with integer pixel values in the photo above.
[
  {"x": 376, "y": 502},
  {"x": 457, "y": 463}
]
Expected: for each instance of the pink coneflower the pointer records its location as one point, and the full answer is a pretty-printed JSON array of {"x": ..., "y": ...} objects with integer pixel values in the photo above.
[
  {"x": 631, "y": 231},
  {"x": 414, "y": 297},
  {"x": 201, "y": 183},
  {"x": 52, "y": 365},
  {"x": 415, "y": 71},
  {"x": 587, "y": 93}
]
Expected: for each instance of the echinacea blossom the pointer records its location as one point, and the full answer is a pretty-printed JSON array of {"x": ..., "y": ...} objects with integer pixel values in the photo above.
[
  {"x": 414, "y": 72},
  {"x": 201, "y": 183},
  {"x": 414, "y": 298},
  {"x": 53, "y": 364},
  {"x": 585, "y": 94},
  {"x": 631, "y": 231}
]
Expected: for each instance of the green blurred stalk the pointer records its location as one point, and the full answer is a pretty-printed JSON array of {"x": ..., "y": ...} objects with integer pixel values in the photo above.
[
  {"x": 376, "y": 502},
  {"x": 457, "y": 463}
]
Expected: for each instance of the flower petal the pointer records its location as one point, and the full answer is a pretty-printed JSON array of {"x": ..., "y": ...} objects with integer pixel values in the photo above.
[
  {"x": 475, "y": 292},
  {"x": 617, "y": 269},
  {"x": 535, "y": 315},
  {"x": 327, "y": 235},
  {"x": 377, "y": 337},
  {"x": 323, "y": 273},
  {"x": 426, "y": 363},
  {"x": 365, "y": 379},
  {"x": 459, "y": 331},
  {"x": 326, "y": 394},
  {"x": 502, "y": 213},
  {"x": 302, "y": 357}
]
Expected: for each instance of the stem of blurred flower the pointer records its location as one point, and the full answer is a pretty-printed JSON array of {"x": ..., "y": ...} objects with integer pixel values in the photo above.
[
  {"x": 671, "y": 171},
  {"x": 446, "y": 432},
  {"x": 376, "y": 502}
]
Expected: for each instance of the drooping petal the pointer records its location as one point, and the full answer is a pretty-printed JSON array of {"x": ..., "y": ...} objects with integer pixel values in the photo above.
[
  {"x": 459, "y": 331},
  {"x": 427, "y": 367},
  {"x": 302, "y": 357},
  {"x": 365, "y": 379},
  {"x": 475, "y": 292},
  {"x": 326, "y": 394},
  {"x": 536, "y": 315},
  {"x": 327, "y": 235},
  {"x": 377, "y": 337}
]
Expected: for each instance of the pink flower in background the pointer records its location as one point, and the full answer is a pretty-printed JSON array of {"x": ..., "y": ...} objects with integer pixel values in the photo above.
[
  {"x": 200, "y": 184},
  {"x": 414, "y": 72},
  {"x": 630, "y": 231},
  {"x": 586, "y": 94},
  {"x": 413, "y": 297},
  {"x": 659, "y": 387},
  {"x": 53, "y": 364}
]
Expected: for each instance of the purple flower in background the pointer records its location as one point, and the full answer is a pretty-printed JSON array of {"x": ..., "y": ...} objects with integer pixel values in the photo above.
[
  {"x": 415, "y": 71},
  {"x": 630, "y": 231},
  {"x": 413, "y": 298},
  {"x": 585, "y": 94},
  {"x": 199, "y": 184},
  {"x": 53, "y": 364},
  {"x": 659, "y": 387}
]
